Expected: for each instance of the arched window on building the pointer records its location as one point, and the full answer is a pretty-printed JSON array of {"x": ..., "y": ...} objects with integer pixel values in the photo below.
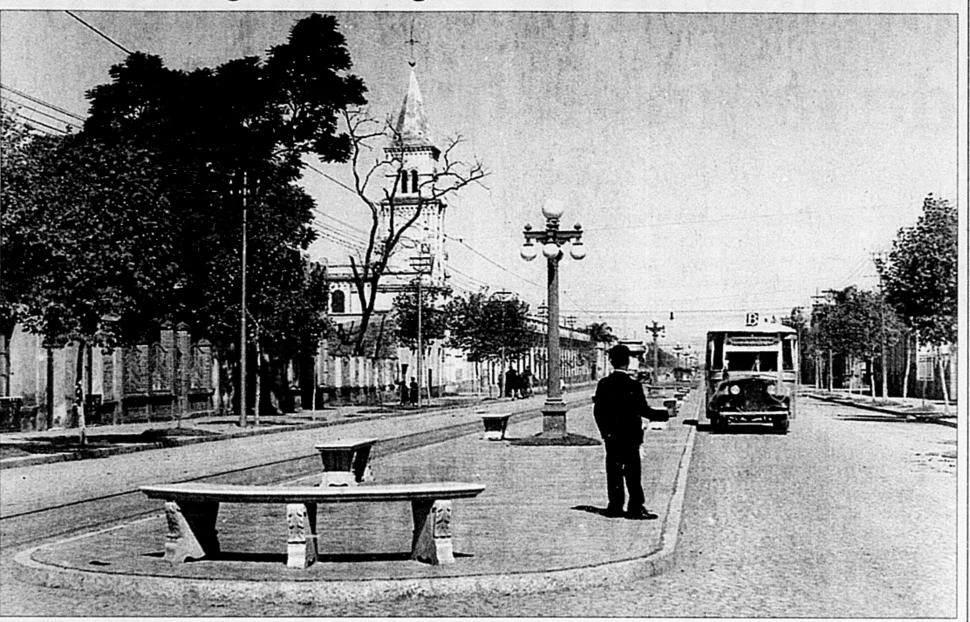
[
  {"x": 337, "y": 302},
  {"x": 404, "y": 182},
  {"x": 414, "y": 181}
]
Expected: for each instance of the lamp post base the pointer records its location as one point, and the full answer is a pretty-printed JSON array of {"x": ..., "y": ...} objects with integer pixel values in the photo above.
[
  {"x": 554, "y": 419},
  {"x": 554, "y": 430}
]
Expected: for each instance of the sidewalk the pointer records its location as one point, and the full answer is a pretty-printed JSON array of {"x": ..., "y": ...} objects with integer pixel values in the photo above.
[
  {"x": 911, "y": 408},
  {"x": 537, "y": 526},
  {"x": 59, "y": 444}
]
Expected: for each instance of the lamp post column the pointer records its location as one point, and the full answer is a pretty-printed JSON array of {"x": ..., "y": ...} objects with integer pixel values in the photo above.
[
  {"x": 554, "y": 410},
  {"x": 656, "y": 328}
]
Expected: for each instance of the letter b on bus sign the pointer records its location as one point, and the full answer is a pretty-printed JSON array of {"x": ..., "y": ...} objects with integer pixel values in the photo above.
[{"x": 751, "y": 319}]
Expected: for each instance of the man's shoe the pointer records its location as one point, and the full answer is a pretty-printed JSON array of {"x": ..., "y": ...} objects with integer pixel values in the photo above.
[
  {"x": 613, "y": 512},
  {"x": 640, "y": 514}
]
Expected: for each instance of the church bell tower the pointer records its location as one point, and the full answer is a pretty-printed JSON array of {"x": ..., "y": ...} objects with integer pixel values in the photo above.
[{"x": 411, "y": 185}]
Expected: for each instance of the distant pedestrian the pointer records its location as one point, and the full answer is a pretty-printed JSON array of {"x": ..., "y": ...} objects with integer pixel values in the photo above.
[
  {"x": 405, "y": 398},
  {"x": 525, "y": 383},
  {"x": 414, "y": 391},
  {"x": 619, "y": 406},
  {"x": 511, "y": 383}
]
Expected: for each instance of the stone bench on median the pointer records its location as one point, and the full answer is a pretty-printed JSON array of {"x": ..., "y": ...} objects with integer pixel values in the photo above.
[
  {"x": 191, "y": 510},
  {"x": 495, "y": 425},
  {"x": 671, "y": 406},
  {"x": 345, "y": 461}
]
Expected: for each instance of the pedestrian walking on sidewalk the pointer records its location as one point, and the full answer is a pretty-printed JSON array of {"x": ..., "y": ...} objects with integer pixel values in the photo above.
[
  {"x": 414, "y": 391},
  {"x": 511, "y": 383},
  {"x": 618, "y": 409}
]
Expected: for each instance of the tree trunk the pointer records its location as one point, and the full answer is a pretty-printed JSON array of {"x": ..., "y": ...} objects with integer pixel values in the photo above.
[
  {"x": 907, "y": 353},
  {"x": 943, "y": 384},
  {"x": 5, "y": 337},
  {"x": 831, "y": 374},
  {"x": 79, "y": 391},
  {"x": 872, "y": 377}
]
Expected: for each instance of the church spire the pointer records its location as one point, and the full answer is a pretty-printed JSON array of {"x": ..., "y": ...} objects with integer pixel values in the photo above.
[{"x": 412, "y": 130}]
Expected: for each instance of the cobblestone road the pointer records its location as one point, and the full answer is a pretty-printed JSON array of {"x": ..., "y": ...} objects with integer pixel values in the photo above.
[{"x": 849, "y": 515}]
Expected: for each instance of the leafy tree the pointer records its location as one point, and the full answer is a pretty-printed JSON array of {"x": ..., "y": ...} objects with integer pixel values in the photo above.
[
  {"x": 857, "y": 324},
  {"x": 434, "y": 319},
  {"x": 230, "y": 137},
  {"x": 601, "y": 332},
  {"x": 19, "y": 152},
  {"x": 90, "y": 238},
  {"x": 919, "y": 276},
  {"x": 489, "y": 327}
]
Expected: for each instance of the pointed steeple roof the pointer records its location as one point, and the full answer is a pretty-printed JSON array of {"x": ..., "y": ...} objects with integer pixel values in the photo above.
[{"x": 412, "y": 124}]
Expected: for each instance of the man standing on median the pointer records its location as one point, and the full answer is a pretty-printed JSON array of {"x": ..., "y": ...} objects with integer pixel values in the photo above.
[{"x": 619, "y": 406}]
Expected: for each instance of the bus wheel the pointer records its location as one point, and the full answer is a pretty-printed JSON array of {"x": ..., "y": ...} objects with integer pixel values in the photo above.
[{"x": 781, "y": 424}]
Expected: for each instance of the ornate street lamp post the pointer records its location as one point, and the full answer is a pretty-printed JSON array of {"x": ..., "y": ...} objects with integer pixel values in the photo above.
[
  {"x": 552, "y": 239},
  {"x": 656, "y": 329}
]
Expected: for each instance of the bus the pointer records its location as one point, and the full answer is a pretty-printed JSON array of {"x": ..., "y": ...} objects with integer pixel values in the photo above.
[{"x": 752, "y": 375}]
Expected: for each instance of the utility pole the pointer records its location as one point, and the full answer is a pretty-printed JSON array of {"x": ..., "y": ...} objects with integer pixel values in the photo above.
[
  {"x": 422, "y": 265},
  {"x": 242, "y": 320}
]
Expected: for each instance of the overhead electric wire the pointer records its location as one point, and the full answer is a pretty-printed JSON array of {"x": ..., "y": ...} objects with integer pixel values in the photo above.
[
  {"x": 29, "y": 122},
  {"x": 19, "y": 105},
  {"x": 37, "y": 100},
  {"x": 101, "y": 34}
]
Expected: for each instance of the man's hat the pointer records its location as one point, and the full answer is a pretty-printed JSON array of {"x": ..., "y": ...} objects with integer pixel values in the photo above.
[{"x": 619, "y": 352}]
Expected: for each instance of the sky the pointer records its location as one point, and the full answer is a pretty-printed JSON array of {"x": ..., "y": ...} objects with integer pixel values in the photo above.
[{"x": 719, "y": 163}]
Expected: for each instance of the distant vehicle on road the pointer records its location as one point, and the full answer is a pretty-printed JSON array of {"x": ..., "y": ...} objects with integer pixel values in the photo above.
[{"x": 752, "y": 375}]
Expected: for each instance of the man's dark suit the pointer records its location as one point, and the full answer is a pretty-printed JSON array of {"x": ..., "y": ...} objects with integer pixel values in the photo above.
[{"x": 619, "y": 406}]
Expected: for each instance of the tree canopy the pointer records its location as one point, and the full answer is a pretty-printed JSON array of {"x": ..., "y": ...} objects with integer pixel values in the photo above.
[
  {"x": 919, "y": 276},
  {"x": 88, "y": 237},
  {"x": 232, "y": 136},
  {"x": 601, "y": 332},
  {"x": 434, "y": 319},
  {"x": 488, "y": 327}
]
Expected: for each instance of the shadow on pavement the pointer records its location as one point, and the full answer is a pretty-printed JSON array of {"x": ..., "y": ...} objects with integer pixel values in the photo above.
[
  {"x": 569, "y": 440},
  {"x": 755, "y": 429},
  {"x": 876, "y": 418},
  {"x": 592, "y": 509}
]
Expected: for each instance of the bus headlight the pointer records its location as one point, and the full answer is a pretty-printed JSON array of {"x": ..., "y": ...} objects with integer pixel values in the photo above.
[{"x": 735, "y": 389}]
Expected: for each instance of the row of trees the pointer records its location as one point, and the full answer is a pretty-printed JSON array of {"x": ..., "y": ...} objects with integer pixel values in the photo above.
[
  {"x": 139, "y": 219},
  {"x": 916, "y": 303},
  {"x": 487, "y": 326}
]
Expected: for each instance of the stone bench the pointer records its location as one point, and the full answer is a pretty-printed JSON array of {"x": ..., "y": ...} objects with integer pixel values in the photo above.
[
  {"x": 345, "y": 461},
  {"x": 495, "y": 425},
  {"x": 191, "y": 510},
  {"x": 671, "y": 406}
]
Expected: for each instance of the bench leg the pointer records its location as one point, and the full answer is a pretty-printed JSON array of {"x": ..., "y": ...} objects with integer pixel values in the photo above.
[
  {"x": 191, "y": 530},
  {"x": 301, "y": 543},
  {"x": 432, "y": 532}
]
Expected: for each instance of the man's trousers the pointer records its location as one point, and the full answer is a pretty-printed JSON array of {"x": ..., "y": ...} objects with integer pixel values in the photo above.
[{"x": 623, "y": 464}]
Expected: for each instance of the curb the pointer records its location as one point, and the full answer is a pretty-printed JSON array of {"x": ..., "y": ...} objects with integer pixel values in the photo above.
[
  {"x": 657, "y": 561},
  {"x": 886, "y": 410}
]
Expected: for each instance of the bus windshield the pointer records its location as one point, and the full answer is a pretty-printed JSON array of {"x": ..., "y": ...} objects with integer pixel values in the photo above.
[{"x": 751, "y": 361}]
